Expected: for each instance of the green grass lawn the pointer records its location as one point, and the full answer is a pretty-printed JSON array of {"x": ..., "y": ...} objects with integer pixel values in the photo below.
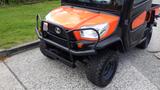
[{"x": 17, "y": 23}]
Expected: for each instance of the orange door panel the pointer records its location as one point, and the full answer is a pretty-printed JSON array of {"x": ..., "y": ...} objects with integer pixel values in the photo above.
[{"x": 139, "y": 20}]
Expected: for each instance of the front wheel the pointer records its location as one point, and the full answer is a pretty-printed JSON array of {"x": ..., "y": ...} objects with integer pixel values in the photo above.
[{"x": 102, "y": 67}]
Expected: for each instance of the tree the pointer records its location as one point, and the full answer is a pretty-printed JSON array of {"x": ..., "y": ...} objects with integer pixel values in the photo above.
[{"x": 6, "y": 1}]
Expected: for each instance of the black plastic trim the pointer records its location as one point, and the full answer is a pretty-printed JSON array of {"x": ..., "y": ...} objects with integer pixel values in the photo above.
[{"x": 65, "y": 61}]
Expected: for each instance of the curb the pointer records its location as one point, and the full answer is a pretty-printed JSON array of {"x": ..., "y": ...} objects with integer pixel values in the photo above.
[
  {"x": 157, "y": 55},
  {"x": 18, "y": 49},
  {"x": 155, "y": 51}
]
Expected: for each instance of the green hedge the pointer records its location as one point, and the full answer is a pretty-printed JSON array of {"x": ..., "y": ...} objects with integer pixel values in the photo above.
[{"x": 7, "y": 2}]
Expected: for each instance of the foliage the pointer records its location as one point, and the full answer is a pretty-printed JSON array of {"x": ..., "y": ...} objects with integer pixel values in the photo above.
[
  {"x": 17, "y": 23},
  {"x": 7, "y": 2}
]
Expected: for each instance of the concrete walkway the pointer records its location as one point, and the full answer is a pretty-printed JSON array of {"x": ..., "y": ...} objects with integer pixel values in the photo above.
[
  {"x": 138, "y": 70},
  {"x": 7, "y": 80}
]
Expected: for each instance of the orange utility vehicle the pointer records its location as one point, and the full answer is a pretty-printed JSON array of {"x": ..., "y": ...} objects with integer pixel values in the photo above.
[{"x": 93, "y": 31}]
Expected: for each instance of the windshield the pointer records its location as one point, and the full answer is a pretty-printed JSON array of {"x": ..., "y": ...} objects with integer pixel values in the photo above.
[{"x": 104, "y": 4}]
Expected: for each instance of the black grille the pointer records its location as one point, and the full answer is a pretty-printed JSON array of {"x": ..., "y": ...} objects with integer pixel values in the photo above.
[
  {"x": 59, "y": 37},
  {"x": 52, "y": 29},
  {"x": 61, "y": 41}
]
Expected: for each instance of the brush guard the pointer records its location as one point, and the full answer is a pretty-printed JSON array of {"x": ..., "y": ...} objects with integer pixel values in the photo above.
[{"x": 68, "y": 49}]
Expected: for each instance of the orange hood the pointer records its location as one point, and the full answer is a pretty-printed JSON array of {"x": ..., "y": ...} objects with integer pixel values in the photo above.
[{"x": 75, "y": 18}]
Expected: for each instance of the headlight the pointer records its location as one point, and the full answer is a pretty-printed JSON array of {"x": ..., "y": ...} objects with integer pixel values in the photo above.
[
  {"x": 101, "y": 28},
  {"x": 45, "y": 26}
]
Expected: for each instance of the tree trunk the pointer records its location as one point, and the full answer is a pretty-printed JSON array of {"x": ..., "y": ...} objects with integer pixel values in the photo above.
[{"x": 7, "y": 1}]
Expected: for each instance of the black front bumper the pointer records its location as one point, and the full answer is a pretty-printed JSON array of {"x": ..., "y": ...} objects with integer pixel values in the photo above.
[
  {"x": 73, "y": 52},
  {"x": 52, "y": 54},
  {"x": 67, "y": 47},
  {"x": 65, "y": 54}
]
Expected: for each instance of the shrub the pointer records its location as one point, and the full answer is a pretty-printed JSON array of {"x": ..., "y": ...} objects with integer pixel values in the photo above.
[{"x": 7, "y": 2}]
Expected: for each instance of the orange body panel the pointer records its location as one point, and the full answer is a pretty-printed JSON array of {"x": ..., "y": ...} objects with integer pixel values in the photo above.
[
  {"x": 75, "y": 18},
  {"x": 139, "y": 20},
  {"x": 101, "y": 18},
  {"x": 157, "y": 11}
]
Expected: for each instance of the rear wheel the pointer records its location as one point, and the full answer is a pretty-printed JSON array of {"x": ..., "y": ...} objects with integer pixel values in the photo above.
[
  {"x": 101, "y": 68},
  {"x": 146, "y": 42}
]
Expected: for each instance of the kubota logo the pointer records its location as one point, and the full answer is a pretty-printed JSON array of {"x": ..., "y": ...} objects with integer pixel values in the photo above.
[{"x": 57, "y": 30}]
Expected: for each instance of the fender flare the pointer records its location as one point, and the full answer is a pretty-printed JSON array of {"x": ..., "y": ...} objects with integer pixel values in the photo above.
[{"x": 112, "y": 41}]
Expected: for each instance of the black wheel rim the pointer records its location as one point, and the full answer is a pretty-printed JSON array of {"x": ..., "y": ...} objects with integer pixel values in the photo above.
[{"x": 108, "y": 70}]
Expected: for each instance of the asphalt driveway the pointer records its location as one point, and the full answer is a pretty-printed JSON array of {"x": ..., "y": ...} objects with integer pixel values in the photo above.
[{"x": 30, "y": 70}]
